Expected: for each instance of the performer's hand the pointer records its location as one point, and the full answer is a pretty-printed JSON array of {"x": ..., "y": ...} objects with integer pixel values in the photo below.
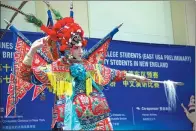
[
  {"x": 34, "y": 47},
  {"x": 130, "y": 77},
  {"x": 142, "y": 79},
  {"x": 37, "y": 44}
]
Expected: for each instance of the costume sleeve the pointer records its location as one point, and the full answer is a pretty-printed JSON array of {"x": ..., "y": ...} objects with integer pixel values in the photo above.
[
  {"x": 25, "y": 72},
  {"x": 36, "y": 75},
  {"x": 104, "y": 75},
  {"x": 40, "y": 75}
]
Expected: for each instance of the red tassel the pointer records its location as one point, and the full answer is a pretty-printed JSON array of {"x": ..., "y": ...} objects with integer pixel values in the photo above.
[
  {"x": 63, "y": 47},
  {"x": 84, "y": 42},
  {"x": 54, "y": 38},
  {"x": 63, "y": 42},
  {"x": 52, "y": 33},
  {"x": 69, "y": 25},
  {"x": 64, "y": 30},
  {"x": 82, "y": 33},
  {"x": 68, "y": 20},
  {"x": 45, "y": 29},
  {"x": 67, "y": 35},
  {"x": 75, "y": 28},
  {"x": 60, "y": 35},
  {"x": 48, "y": 31},
  {"x": 57, "y": 26}
]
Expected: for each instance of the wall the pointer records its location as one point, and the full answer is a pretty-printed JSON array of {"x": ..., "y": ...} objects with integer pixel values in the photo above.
[
  {"x": 39, "y": 9},
  {"x": 144, "y": 21},
  {"x": 183, "y": 19},
  {"x": 19, "y": 21},
  {"x": 168, "y": 22},
  {"x": 190, "y": 7},
  {"x": 80, "y": 11}
]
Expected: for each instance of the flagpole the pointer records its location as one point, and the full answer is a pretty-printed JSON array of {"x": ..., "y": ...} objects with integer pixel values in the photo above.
[
  {"x": 13, "y": 68},
  {"x": 71, "y": 9},
  {"x": 102, "y": 41}
]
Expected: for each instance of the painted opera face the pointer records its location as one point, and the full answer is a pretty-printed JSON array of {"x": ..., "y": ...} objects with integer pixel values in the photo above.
[{"x": 76, "y": 49}]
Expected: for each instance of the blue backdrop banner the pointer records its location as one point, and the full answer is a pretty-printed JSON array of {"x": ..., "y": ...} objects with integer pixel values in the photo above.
[{"x": 133, "y": 105}]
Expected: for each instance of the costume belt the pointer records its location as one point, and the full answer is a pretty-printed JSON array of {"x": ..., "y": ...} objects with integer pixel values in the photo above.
[{"x": 93, "y": 119}]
